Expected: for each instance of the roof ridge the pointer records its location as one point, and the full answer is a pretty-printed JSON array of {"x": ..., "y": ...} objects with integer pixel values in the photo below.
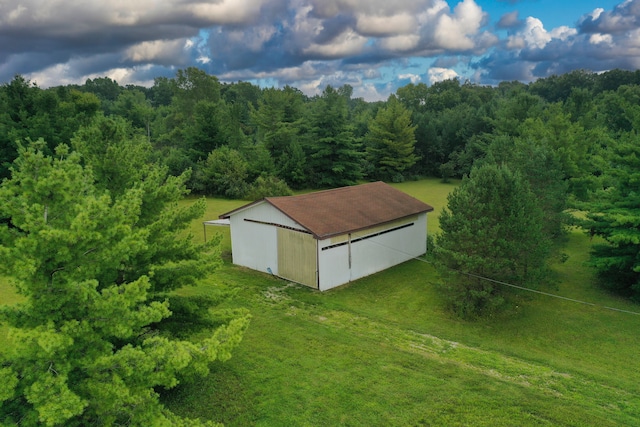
[{"x": 328, "y": 190}]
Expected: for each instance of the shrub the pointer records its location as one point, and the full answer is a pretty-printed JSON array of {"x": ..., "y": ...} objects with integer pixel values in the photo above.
[{"x": 268, "y": 186}]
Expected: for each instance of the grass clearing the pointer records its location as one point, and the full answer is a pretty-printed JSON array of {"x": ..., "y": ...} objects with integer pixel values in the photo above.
[{"x": 381, "y": 350}]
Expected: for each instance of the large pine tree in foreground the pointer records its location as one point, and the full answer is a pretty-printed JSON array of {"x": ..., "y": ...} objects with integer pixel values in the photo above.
[{"x": 86, "y": 346}]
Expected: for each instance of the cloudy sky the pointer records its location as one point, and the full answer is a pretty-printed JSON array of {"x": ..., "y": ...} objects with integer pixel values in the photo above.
[{"x": 375, "y": 46}]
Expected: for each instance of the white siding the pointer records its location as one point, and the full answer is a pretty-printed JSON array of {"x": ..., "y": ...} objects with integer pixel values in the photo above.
[
  {"x": 333, "y": 266},
  {"x": 255, "y": 245},
  {"x": 373, "y": 254}
]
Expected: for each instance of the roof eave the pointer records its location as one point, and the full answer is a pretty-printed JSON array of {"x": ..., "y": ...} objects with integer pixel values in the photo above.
[
  {"x": 355, "y": 230},
  {"x": 241, "y": 208}
]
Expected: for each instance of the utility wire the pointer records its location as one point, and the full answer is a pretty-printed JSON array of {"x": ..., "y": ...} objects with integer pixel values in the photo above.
[{"x": 512, "y": 285}]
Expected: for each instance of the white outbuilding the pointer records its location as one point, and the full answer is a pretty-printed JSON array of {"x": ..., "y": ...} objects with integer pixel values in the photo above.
[{"x": 328, "y": 238}]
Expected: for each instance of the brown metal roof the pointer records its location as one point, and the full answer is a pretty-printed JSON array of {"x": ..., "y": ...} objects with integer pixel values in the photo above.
[{"x": 347, "y": 209}]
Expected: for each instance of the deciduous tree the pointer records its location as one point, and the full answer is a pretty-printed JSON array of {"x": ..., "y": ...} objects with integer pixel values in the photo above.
[{"x": 223, "y": 173}]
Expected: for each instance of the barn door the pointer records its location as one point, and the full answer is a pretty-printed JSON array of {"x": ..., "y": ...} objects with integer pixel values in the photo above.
[{"x": 297, "y": 260}]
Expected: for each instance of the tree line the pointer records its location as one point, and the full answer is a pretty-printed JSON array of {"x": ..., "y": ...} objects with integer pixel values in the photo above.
[
  {"x": 193, "y": 121},
  {"x": 573, "y": 136}
]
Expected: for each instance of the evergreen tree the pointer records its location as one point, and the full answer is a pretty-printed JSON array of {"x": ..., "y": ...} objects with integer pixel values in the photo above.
[
  {"x": 335, "y": 159},
  {"x": 28, "y": 113},
  {"x": 538, "y": 164},
  {"x": 492, "y": 228},
  {"x": 85, "y": 347},
  {"x": 278, "y": 119},
  {"x": 614, "y": 215},
  {"x": 391, "y": 142}
]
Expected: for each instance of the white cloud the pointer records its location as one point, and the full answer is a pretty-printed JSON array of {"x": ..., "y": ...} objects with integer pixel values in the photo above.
[
  {"x": 347, "y": 43},
  {"x": 303, "y": 43},
  {"x": 596, "y": 13},
  {"x": 455, "y": 31},
  {"x": 61, "y": 74},
  {"x": 400, "y": 43},
  {"x": 331, "y": 8},
  {"x": 371, "y": 73},
  {"x": 227, "y": 11},
  {"x": 380, "y": 25},
  {"x": 437, "y": 74},
  {"x": 563, "y": 33},
  {"x": 414, "y": 78},
  {"x": 600, "y": 39},
  {"x": 371, "y": 93},
  {"x": 157, "y": 50},
  {"x": 533, "y": 35}
]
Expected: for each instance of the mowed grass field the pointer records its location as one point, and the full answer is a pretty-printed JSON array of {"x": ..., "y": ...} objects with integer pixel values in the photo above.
[{"x": 382, "y": 351}]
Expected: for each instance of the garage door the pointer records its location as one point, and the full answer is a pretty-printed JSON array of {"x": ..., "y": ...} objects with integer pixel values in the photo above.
[{"x": 297, "y": 260}]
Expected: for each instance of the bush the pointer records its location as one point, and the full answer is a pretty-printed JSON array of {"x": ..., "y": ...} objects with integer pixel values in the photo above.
[
  {"x": 269, "y": 186},
  {"x": 223, "y": 173}
]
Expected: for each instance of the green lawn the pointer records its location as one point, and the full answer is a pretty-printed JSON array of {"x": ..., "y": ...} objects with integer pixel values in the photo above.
[{"x": 381, "y": 351}]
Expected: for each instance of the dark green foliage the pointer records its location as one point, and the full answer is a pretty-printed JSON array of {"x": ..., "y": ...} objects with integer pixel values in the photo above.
[
  {"x": 559, "y": 88},
  {"x": 334, "y": 156},
  {"x": 269, "y": 186},
  {"x": 447, "y": 116},
  {"x": 492, "y": 229},
  {"x": 161, "y": 93},
  {"x": 86, "y": 345},
  {"x": 621, "y": 109},
  {"x": 278, "y": 120},
  {"x": 391, "y": 142},
  {"x": 223, "y": 173},
  {"x": 320, "y": 141},
  {"x": 203, "y": 132},
  {"x": 28, "y": 113},
  {"x": 104, "y": 88},
  {"x": 614, "y": 215},
  {"x": 540, "y": 167},
  {"x": 134, "y": 106},
  {"x": 119, "y": 158}
]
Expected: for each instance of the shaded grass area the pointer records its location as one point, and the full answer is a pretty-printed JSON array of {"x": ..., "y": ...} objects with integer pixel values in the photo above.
[{"x": 382, "y": 351}]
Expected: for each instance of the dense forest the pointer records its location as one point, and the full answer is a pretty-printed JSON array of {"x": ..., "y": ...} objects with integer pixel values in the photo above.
[
  {"x": 574, "y": 137},
  {"x": 231, "y": 135}
]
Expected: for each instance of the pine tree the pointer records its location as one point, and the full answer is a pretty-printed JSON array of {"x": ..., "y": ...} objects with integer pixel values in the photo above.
[
  {"x": 278, "y": 119},
  {"x": 334, "y": 153},
  {"x": 614, "y": 215},
  {"x": 391, "y": 142},
  {"x": 491, "y": 228},
  {"x": 85, "y": 347}
]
